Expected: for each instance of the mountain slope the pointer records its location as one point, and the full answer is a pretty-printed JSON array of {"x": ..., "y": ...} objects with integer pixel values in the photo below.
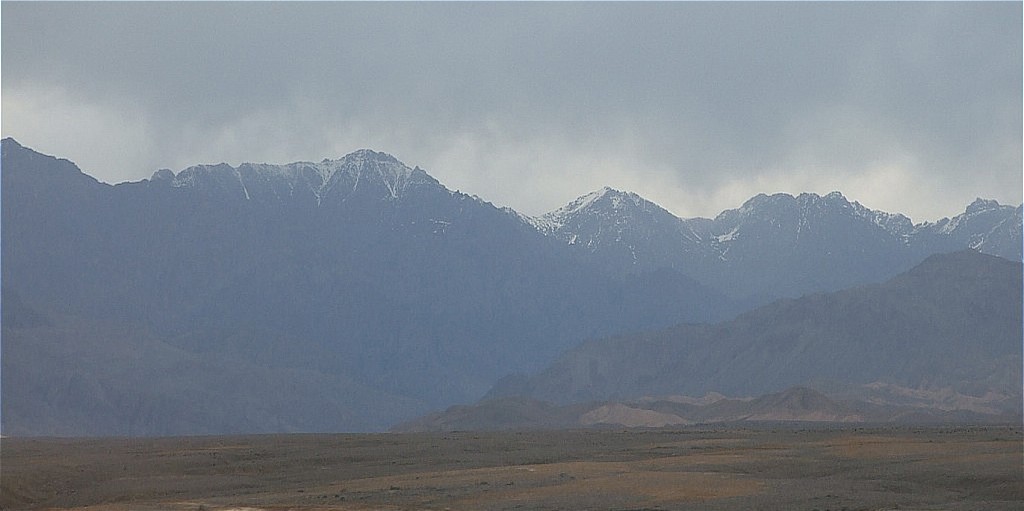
[
  {"x": 68, "y": 376},
  {"x": 781, "y": 245},
  {"x": 954, "y": 321},
  {"x": 359, "y": 269}
]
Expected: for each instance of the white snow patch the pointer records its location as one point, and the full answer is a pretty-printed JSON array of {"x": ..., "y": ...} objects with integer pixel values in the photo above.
[{"x": 729, "y": 236}]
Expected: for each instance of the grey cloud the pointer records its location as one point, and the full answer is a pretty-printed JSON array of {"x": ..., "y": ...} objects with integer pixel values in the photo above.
[{"x": 691, "y": 104}]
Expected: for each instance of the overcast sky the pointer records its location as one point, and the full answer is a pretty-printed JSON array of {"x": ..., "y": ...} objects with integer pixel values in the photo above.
[{"x": 905, "y": 107}]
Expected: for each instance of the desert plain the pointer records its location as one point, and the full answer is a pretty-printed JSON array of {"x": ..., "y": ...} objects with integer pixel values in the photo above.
[{"x": 768, "y": 466}]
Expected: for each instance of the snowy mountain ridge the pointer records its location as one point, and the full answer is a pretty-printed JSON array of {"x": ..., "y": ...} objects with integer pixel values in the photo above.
[
  {"x": 599, "y": 217},
  {"x": 621, "y": 229},
  {"x": 778, "y": 212},
  {"x": 604, "y": 201},
  {"x": 382, "y": 173},
  {"x": 773, "y": 245}
]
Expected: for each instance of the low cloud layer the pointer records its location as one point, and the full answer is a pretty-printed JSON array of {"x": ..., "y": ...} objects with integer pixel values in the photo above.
[{"x": 910, "y": 107}]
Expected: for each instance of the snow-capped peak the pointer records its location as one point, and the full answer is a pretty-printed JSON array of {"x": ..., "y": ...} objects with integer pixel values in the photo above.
[
  {"x": 980, "y": 208},
  {"x": 803, "y": 209},
  {"x": 588, "y": 200},
  {"x": 367, "y": 164},
  {"x": 379, "y": 172},
  {"x": 606, "y": 200}
]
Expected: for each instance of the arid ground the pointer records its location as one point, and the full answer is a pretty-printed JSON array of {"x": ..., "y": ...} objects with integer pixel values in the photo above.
[{"x": 763, "y": 467}]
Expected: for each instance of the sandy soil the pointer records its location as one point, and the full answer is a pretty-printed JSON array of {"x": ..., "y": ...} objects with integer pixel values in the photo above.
[{"x": 769, "y": 467}]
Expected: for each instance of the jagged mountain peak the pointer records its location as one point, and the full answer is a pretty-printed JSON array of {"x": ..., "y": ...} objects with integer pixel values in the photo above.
[
  {"x": 977, "y": 210},
  {"x": 782, "y": 199},
  {"x": 368, "y": 159},
  {"x": 805, "y": 207},
  {"x": 378, "y": 167},
  {"x": 204, "y": 168},
  {"x": 984, "y": 225},
  {"x": 833, "y": 197},
  {"x": 980, "y": 205},
  {"x": 364, "y": 159}
]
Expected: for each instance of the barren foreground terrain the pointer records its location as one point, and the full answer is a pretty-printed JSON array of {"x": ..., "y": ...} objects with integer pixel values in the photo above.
[{"x": 766, "y": 467}]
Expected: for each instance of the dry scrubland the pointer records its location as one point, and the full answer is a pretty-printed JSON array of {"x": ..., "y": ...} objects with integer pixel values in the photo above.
[{"x": 755, "y": 468}]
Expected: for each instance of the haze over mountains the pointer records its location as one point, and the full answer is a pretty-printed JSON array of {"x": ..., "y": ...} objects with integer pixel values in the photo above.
[
  {"x": 941, "y": 342},
  {"x": 776, "y": 245},
  {"x": 954, "y": 321},
  {"x": 352, "y": 294}
]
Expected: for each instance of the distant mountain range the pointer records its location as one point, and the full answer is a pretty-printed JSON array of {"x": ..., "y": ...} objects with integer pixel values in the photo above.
[
  {"x": 358, "y": 292},
  {"x": 777, "y": 245},
  {"x": 793, "y": 405},
  {"x": 954, "y": 322}
]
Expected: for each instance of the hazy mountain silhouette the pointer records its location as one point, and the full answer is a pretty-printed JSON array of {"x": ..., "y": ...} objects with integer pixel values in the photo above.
[{"x": 952, "y": 322}]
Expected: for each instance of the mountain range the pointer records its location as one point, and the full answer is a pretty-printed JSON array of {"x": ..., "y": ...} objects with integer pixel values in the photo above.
[
  {"x": 941, "y": 342},
  {"x": 355, "y": 293},
  {"x": 774, "y": 245},
  {"x": 954, "y": 321}
]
